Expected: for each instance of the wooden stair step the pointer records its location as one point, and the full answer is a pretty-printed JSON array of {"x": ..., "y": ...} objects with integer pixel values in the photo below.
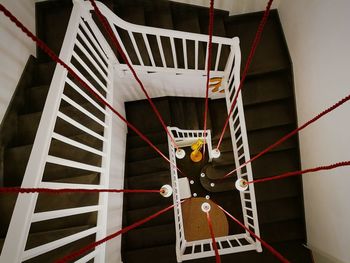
[{"x": 151, "y": 236}]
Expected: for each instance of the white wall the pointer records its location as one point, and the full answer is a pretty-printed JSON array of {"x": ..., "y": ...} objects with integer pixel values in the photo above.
[
  {"x": 15, "y": 48},
  {"x": 234, "y": 6},
  {"x": 318, "y": 37}
]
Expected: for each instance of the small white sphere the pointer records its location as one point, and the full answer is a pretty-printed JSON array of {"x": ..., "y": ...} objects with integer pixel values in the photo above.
[
  {"x": 166, "y": 190},
  {"x": 215, "y": 153},
  {"x": 205, "y": 207},
  {"x": 203, "y": 175},
  {"x": 194, "y": 194},
  {"x": 191, "y": 182},
  {"x": 241, "y": 184},
  {"x": 212, "y": 184},
  {"x": 180, "y": 153},
  {"x": 207, "y": 197}
]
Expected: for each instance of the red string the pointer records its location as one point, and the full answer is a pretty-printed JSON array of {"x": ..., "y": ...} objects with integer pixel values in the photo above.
[
  {"x": 54, "y": 57},
  {"x": 91, "y": 246},
  {"x": 71, "y": 190},
  {"x": 245, "y": 72},
  {"x": 210, "y": 44},
  {"x": 110, "y": 32},
  {"x": 310, "y": 170},
  {"x": 266, "y": 245},
  {"x": 284, "y": 138},
  {"x": 217, "y": 256}
]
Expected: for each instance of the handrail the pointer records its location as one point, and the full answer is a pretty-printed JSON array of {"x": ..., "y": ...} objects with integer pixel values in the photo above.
[
  {"x": 240, "y": 145},
  {"x": 112, "y": 17},
  {"x": 146, "y": 61},
  {"x": 24, "y": 212}
]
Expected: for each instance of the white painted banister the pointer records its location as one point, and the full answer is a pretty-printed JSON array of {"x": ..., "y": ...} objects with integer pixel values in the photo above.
[
  {"x": 84, "y": 40},
  {"x": 98, "y": 52}
]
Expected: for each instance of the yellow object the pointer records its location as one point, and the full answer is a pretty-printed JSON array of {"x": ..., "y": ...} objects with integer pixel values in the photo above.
[
  {"x": 197, "y": 145},
  {"x": 196, "y": 155}
]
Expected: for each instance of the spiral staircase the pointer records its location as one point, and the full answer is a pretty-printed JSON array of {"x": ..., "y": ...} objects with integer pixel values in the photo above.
[{"x": 269, "y": 105}]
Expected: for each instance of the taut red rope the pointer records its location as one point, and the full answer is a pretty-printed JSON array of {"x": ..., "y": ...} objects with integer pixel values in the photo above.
[
  {"x": 72, "y": 190},
  {"x": 284, "y": 138},
  {"x": 245, "y": 72},
  {"x": 270, "y": 248},
  {"x": 54, "y": 57},
  {"x": 109, "y": 30},
  {"x": 217, "y": 256},
  {"x": 310, "y": 170},
  {"x": 210, "y": 44},
  {"x": 91, "y": 246}
]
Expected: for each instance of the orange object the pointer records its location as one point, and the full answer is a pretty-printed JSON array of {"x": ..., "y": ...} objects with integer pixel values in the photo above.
[{"x": 196, "y": 156}]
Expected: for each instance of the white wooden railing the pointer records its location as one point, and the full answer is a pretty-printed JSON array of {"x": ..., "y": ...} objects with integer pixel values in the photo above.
[
  {"x": 85, "y": 47},
  {"x": 177, "y": 52},
  {"x": 186, "y": 250},
  {"x": 82, "y": 40},
  {"x": 183, "y": 138},
  {"x": 240, "y": 144}
]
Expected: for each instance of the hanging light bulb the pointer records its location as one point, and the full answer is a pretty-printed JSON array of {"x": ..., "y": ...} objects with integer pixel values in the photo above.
[
  {"x": 215, "y": 153},
  {"x": 166, "y": 190},
  {"x": 241, "y": 184},
  {"x": 180, "y": 153}
]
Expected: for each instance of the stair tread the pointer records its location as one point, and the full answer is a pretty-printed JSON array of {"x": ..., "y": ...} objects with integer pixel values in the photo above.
[
  {"x": 147, "y": 166},
  {"x": 274, "y": 163},
  {"x": 7, "y": 204},
  {"x": 185, "y": 18},
  {"x": 146, "y": 152},
  {"x": 52, "y": 21},
  {"x": 184, "y": 113},
  {"x": 283, "y": 231},
  {"x": 163, "y": 19},
  {"x": 13, "y": 174},
  {"x": 151, "y": 236},
  {"x": 260, "y": 139},
  {"x": 280, "y": 210},
  {"x": 218, "y": 30},
  {"x": 200, "y": 114},
  {"x": 36, "y": 97},
  {"x": 139, "y": 111},
  {"x": 134, "y": 14},
  {"x": 218, "y": 172},
  {"x": 288, "y": 187},
  {"x": 219, "y": 185},
  {"x": 267, "y": 87},
  {"x": 272, "y": 44},
  {"x": 225, "y": 159},
  {"x": 153, "y": 180},
  {"x": 40, "y": 238},
  {"x": 29, "y": 123},
  {"x": 143, "y": 200},
  {"x": 268, "y": 115},
  {"x": 218, "y": 115},
  {"x": 157, "y": 137},
  {"x": 139, "y": 214},
  {"x": 292, "y": 250},
  {"x": 58, "y": 253},
  {"x": 166, "y": 253}
]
